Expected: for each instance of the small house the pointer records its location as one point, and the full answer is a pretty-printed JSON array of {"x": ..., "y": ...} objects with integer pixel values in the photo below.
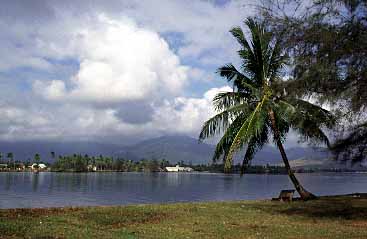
[
  {"x": 40, "y": 166},
  {"x": 91, "y": 167},
  {"x": 177, "y": 168},
  {"x": 4, "y": 167}
]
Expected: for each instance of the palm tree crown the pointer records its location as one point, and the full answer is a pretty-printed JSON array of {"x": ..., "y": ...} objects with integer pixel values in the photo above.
[{"x": 260, "y": 108}]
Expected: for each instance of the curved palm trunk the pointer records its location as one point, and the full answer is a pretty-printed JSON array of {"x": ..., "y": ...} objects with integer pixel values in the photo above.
[{"x": 305, "y": 195}]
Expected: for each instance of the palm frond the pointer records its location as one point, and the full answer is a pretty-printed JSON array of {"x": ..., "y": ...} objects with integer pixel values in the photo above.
[
  {"x": 258, "y": 45},
  {"x": 225, "y": 142},
  {"x": 220, "y": 122},
  {"x": 276, "y": 61},
  {"x": 225, "y": 100},
  {"x": 255, "y": 144},
  {"x": 241, "y": 81},
  {"x": 240, "y": 36},
  {"x": 252, "y": 127}
]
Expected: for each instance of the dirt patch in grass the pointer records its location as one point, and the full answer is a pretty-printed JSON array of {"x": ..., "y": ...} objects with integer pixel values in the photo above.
[
  {"x": 122, "y": 218},
  {"x": 250, "y": 226},
  {"x": 34, "y": 212},
  {"x": 49, "y": 237},
  {"x": 255, "y": 226},
  {"x": 152, "y": 219},
  {"x": 358, "y": 224}
]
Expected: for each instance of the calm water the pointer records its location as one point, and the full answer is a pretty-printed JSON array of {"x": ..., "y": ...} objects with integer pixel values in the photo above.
[{"x": 88, "y": 189}]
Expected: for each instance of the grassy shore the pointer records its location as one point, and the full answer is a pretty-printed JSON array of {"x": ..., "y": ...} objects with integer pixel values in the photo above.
[{"x": 333, "y": 217}]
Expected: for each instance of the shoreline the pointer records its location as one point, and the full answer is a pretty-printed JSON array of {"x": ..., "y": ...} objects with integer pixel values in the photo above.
[
  {"x": 295, "y": 199},
  {"x": 193, "y": 172}
]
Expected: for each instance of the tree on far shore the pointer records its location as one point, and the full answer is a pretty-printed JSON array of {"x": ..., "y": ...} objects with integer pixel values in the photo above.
[
  {"x": 53, "y": 155},
  {"x": 37, "y": 158},
  {"x": 10, "y": 157}
]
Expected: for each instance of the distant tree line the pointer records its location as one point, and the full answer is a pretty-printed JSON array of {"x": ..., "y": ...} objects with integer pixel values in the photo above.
[
  {"x": 11, "y": 164},
  {"x": 9, "y": 160},
  {"x": 85, "y": 163}
]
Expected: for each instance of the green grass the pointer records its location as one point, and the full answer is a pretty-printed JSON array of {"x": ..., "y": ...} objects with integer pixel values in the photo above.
[{"x": 334, "y": 217}]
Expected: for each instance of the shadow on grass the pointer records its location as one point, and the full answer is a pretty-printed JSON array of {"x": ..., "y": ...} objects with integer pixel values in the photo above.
[{"x": 336, "y": 207}]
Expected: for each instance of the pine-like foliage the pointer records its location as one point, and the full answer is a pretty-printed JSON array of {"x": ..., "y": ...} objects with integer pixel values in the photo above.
[{"x": 328, "y": 44}]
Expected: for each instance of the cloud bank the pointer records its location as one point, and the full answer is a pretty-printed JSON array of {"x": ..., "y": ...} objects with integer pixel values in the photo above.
[{"x": 117, "y": 71}]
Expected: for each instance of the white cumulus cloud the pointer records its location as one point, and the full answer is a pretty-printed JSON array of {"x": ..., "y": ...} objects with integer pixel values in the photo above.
[
  {"x": 118, "y": 62},
  {"x": 186, "y": 115}
]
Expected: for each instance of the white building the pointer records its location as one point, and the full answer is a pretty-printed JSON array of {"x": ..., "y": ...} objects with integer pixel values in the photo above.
[
  {"x": 91, "y": 167},
  {"x": 40, "y": 166},
  {"x": 3, "y": 167},
  {"x": 177, "y": 168}
]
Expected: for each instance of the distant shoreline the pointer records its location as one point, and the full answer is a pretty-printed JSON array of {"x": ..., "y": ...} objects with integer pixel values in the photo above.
[{"x": 193, "y": 172}]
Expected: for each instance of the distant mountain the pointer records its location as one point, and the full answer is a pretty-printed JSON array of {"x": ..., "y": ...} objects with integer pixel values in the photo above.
[
  {"x": 325, "y": 163},
  {"x": 27, "y": 149},
  {"x": 183, "y": 148},
  {"x": 172, "y": 148},
  {"x": 271, "y": 155}
]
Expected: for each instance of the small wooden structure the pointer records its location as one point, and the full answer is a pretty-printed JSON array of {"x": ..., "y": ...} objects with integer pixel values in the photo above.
[{"x": 286, "y": 195}]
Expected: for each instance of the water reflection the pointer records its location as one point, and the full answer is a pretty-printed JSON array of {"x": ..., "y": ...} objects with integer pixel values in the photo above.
[
  {"x": 8, "y": 181},
  {"x": 77, "y": 189},
  {"x": 35, "y": 182}
]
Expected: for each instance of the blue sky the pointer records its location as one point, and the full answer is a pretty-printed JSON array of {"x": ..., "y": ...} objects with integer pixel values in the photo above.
[{"x": 112, "y": 70}]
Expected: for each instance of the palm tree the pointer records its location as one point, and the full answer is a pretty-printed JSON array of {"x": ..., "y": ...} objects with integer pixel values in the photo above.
[
  {"x": 37, "y": 158},
  {"x": 260, "y": 108},
  {"x": 10, "y": 157}
]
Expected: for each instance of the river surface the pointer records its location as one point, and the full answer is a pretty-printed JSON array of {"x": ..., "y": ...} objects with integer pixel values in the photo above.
[{"x": 29, "y": 190}]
